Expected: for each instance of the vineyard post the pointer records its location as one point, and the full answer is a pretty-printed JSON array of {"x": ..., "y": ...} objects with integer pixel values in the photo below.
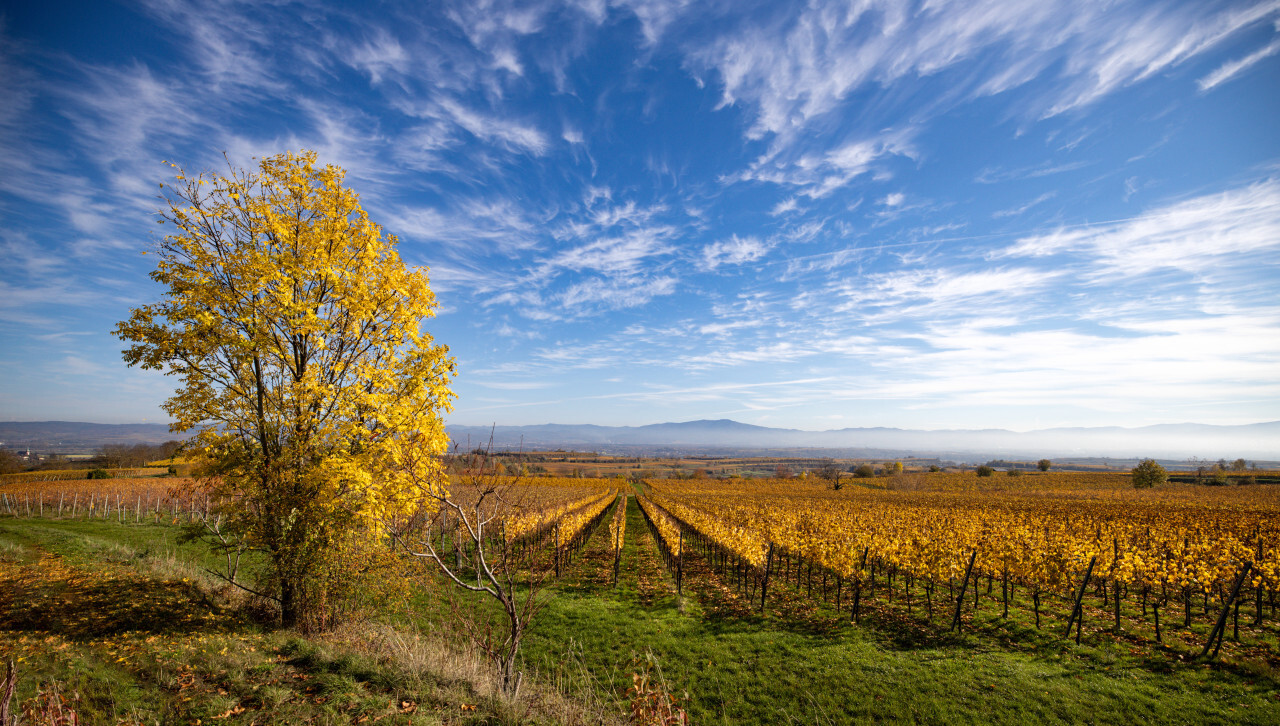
[
  {"x": 61, "y": 496},
  {"x": 764, "y": 583},
  {"x": 1004, "y": 592},
  {"x": 1115, "y": 563},
  {"x": 857, "y": 599},
  {"x": 617, "y": 548},
  {"x": 1077, "y": 613},
  {"x": 857, "y": 588},
  {"x": 955, "y": 620},
  {"x": 1220, "y": 627},
  {"x": 1155, "y": 610},
  {"x": 680, "y": 563},
  {"x": 1257, "y": 617},
  {"x": 1235, "y": 621},
  {"x": 1116, "y": 594},
  {"x": 977, "y": 588}
]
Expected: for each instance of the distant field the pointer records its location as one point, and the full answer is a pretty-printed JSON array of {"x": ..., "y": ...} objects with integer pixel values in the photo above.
[
  {"x": 571, "y": 463},
  {"x": 74, "y": 474}
]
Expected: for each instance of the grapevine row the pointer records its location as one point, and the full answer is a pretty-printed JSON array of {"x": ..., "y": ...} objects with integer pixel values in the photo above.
[{"x": 1170, "y": 553}]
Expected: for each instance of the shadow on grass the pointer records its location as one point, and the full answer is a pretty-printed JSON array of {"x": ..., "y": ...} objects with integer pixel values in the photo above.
[{"x": 47, "y": 596}]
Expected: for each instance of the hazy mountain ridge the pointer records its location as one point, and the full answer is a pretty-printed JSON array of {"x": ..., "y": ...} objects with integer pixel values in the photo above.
[
  {"x": 1169, "y": 441},
  {"x": 78, "y": 436},
  {"x": 1178, "y": 441}
]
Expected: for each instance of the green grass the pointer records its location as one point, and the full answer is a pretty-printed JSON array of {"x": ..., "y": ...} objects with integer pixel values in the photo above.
[
  {"x": 796, "y": 663},
  {"x": 119, "y": 619},
  {"x": 814, "y": 667}
]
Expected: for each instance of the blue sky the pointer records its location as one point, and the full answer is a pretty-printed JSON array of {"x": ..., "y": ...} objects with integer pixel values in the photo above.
[{"x": 1015, "y": 214}]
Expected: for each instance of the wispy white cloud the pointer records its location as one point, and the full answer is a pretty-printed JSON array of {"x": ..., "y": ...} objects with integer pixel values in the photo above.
[
  {"x": 77, "y": 365},
  {"x": 817, "y": 174},
  {"x": 500, "y": 30},
  {"x": 225, "y": 46},
  {"x": 991, "y": 176},
  {"x": 1231, "y": 69},
  {"x": 622, "y": 254},
  {"x": 1021, "y": 208},
  {"x": 1203, "y": 359},
  {"x": 1146, "y": 42},
  {"x": 611, "y": 215},
  {"x": 733, "y": 251},
  {"x": 616, "y": 293},
  {"x": 1195, "y": 236},
  {"x": 511, "y": 134},
  {"x": 914, "y": 293},
  {"x": 511, "y": 385},
  {"x": 789, "y": 72},
  {"x": 379, "y": 56},
  {"x": 502, "y": 225},
  {"x": 655, "y": 16},
  {"x": 786, "y": 205}
]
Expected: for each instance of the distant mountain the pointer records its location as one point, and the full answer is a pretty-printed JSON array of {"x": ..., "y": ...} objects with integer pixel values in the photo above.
[
  {"x": 72, "y": 437},
  {"x": 1169, "y": 441},
  {"x": 1260, "y": 441}
]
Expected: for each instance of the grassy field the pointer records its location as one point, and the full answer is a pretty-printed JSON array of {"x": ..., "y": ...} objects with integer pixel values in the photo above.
[
  {"x": 121, "y": 625},
  {"x": 122, "y": 620}
]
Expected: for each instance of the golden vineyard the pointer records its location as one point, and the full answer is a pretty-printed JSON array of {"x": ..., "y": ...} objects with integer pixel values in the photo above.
[
  {"x": 1178, "y": 546},
  {"x": 921, "y": 539},
  {"x": 557, "y": 511}
]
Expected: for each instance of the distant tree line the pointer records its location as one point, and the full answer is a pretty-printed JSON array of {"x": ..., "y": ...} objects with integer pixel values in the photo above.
[{"x": 109, "y": 456}]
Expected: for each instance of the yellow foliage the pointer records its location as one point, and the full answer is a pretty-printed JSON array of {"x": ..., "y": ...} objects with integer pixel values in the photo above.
[
  {"x": 296, "y": 333},
  {"x": 1181, "y": 538}
]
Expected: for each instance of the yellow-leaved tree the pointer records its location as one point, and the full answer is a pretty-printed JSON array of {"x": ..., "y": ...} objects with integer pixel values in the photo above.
[{"x": 313, "y": 391}]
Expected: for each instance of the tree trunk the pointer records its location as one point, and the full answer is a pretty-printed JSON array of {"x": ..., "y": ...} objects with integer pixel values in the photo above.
[{"x": 288, "y": 605}]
